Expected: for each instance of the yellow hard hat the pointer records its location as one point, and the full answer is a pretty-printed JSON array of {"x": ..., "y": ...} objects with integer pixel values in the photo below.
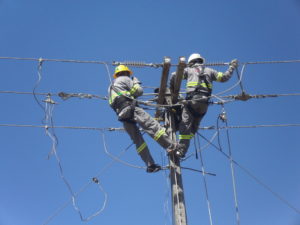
[{"x": 121, "y": 68}]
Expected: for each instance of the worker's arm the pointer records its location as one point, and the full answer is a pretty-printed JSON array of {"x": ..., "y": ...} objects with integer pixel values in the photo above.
[
  {"x": 136, "y": 89},
  {"x": 223, "y": 77}
]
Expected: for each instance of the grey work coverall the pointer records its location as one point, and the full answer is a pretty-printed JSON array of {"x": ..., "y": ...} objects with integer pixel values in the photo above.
[
  {"x": 131, "y": 88},
  {"x": 198, "y": 88}
]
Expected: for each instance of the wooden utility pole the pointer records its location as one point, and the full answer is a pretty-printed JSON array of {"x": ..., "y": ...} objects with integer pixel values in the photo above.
[{"x": 167, "y": 96}]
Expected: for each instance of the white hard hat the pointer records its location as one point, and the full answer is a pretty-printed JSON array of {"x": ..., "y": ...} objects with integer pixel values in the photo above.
[{"x": 195, "y": 56}]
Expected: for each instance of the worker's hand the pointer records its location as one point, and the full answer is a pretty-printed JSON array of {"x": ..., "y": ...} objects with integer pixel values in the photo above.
[
  {"x": 135, "y": 80},
  {"x": 234, "y": 63}
]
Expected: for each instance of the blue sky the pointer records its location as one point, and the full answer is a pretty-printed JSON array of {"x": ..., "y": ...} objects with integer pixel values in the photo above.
[{"x": 31, "y": 188}]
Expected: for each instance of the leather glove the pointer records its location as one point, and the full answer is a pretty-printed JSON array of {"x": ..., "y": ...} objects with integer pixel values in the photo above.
[
  {"x": 136, "y": 81},
  {"x": 234, "y": 63}
]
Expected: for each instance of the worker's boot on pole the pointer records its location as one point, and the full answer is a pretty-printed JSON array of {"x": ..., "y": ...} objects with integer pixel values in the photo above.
[{"x": 153, "y": 168}]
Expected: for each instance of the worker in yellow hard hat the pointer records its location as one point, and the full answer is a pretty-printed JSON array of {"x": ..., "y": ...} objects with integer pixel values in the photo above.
[{"x": 122, "y": 98}]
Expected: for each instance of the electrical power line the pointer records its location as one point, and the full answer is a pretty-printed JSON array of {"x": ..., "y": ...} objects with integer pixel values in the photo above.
[
  {"x": 140, "y": 64},
  {"x": 122, "y": 129},
  {"x": 63, "y": 127},
  {"x": 254, "y": 177}
]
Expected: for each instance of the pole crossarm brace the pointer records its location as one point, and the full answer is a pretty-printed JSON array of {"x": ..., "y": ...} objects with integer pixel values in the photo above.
[
  {"x": 178, "y": 79},
  {"x": 163, "y": 86}
]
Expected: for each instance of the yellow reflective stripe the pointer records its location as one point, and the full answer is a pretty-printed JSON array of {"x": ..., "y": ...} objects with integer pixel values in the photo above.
[
  {"x": 158, "y": 134},
  {"x": 194, "y": 84},
  {"x": 114, "y": 95},
  {"x": 142, "y": 147},
  {"x": 112, "y": 98},
  {"x": 186, "y": 137},
  {"x": 134, "y": 88},
  {"x": 219, "y": 76},
  {"x": 205, "y": 85}
]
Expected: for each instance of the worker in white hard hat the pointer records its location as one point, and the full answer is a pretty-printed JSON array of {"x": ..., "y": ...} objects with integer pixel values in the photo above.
[
  {"x": 122, "y": 94},
  {"x": 199, "y": 88}
]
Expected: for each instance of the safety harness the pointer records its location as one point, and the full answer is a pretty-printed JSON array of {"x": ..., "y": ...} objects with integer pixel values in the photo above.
[
  {"x": 201, "y": 93},
  {"x": 120, "y": 103}
]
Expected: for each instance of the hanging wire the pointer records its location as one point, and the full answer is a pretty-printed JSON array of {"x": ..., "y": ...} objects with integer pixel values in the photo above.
[
  {"x": 108, "y": 73},
  {"x": 117, "y": 159},
  {"x": 84, "y": 187},
  {"x": 39, "y": 72},
  {"x": 51, "y": 133},
  {"x": 209, "y": 142},
  {"x": 240, "y": 77},
  {"x": 223, "y": 117},
  {"x": 198, "y": 148}
]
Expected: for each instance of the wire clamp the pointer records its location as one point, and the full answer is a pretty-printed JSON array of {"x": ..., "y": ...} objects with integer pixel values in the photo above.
[
  {"x": 95, "y": 180},
  {"x": 243, "y": 96},
  {"x": 49, "y": 100}
]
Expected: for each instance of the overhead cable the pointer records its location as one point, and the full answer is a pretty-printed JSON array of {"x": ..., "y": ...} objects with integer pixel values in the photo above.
[
  {"x": 64, "y": 127},
  {"x": 56, "y": 60},
  {"x": 251, "y": 126},
  {"x": 141, "y": 64},
  {"x": 243, "y": 97},
  {"x": 122, "y": 129},
  {"x": 255, "y": 178}
]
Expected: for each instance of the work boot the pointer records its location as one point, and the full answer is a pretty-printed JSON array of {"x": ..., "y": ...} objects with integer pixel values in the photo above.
[{"x": 153, "y": 168}]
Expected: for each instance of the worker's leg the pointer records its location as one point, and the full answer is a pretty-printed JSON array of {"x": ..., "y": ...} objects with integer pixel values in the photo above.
[
  {"x": 153, "y": 128},
  {"x": 202, "y": 109},
  {"x": 137, "y": 138},
  {"x": 192, "y": 115},
  {"x": 185, "y": 129}
]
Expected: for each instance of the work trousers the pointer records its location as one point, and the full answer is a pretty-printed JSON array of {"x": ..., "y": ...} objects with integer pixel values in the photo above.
[
  {"x": 191, "y": 116},
  {"x": 151, "y": 127}
]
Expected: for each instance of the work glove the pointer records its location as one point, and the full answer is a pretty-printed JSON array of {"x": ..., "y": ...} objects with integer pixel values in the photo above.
[
  {"x": 234, "y": 63},
  {"x": 136, "y": 81}
]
